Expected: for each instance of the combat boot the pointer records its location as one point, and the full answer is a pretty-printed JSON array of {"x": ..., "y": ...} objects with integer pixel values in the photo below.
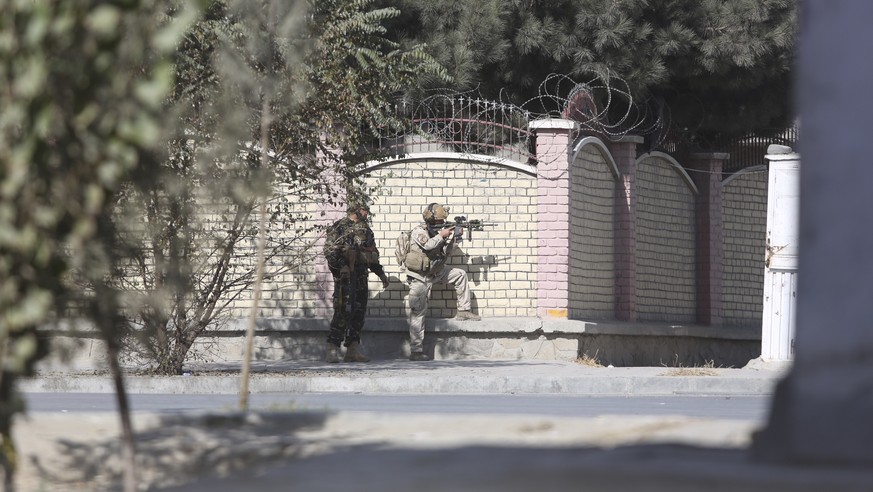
[
  {"x": 418, "y": 357},
  {"x": 354, "y": 354},
  {"x": 332, "y": 353},
  {"x": 467, "y": 316}
]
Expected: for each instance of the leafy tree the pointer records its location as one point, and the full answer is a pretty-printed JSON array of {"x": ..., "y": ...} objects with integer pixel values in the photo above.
[
  {"x": 710, "y": 66},
  {"x": 79, "y": 110},
  {"x": 261, "y": 91}
]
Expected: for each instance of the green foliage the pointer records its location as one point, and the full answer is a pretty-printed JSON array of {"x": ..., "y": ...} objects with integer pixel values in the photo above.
[
  {"x": 320, "y": 79},
  {"x": 356, "y": 75},
  {"x": 717, "y": 66},
  {"x": 79, "y": 109}
]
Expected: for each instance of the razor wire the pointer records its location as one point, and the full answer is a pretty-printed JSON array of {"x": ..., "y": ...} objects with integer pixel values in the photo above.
[{"x": 465, "y": 122}]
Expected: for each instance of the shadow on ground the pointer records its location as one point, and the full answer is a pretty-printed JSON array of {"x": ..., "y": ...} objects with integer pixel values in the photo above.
[
  {"x": 649, "y": 468},
  {"x": 309, "y": 451},
  {"x": 177, "y": 449}
]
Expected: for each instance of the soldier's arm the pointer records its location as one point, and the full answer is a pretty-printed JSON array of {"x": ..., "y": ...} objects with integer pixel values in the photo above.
[
  {"x": 425, "y": 242},
  {"x": 379, "y": 270}
]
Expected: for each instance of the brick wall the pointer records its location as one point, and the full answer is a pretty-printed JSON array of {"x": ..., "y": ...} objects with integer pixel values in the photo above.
[
  {"x": 745, "y": 231},
  {"x": 295, "y": 292},
  {"x": 665, "y": 245},
  {"x": 500, "y": 261},
  {"x": 592, "y": 236}
]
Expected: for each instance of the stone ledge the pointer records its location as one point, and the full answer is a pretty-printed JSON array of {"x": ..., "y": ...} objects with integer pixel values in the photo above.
[
  {"x": 529, "y": 325},
  {"x": 521, "y": 326},
  {"x": 615, "y": 343}
]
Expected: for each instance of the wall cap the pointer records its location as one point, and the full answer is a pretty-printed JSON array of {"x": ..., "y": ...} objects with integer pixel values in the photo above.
[
  {"x": 779, "y": 149},
  {"x": 450, "y": 156},
  {"x": 553, "y": 124},
  {"x": 783, "y": 157}
]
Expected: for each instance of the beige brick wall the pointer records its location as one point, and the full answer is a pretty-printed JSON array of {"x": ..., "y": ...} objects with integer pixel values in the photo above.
[
  {"x": 665, "y": 246},
  {"x": 500, "y": 261},
  {"x": 745, "y": 226},
  {"x": 592, "y": 236},
  {"x": 291, "y": 293}
]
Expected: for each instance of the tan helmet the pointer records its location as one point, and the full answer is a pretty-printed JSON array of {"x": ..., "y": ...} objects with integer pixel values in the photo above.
[{"x": 435, "y": 211}]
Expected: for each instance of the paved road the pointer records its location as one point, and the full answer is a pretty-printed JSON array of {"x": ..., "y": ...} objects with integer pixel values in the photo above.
[{"x": 752, "y": 408}]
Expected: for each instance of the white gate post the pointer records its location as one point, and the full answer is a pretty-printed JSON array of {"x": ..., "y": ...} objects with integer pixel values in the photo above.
[{"x": 780, "y": 266}]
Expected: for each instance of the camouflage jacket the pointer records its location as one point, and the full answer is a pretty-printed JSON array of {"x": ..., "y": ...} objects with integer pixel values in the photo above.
[{"x": 345, "y": 240}]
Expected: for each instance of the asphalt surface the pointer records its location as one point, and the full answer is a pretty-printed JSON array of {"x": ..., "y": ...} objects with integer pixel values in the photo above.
[
  {"x": 361, "y": 450},
  {"x": 749, "y": 408}
]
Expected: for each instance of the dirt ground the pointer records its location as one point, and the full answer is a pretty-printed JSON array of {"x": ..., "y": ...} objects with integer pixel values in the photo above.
[{"x": 67, "y": 451}]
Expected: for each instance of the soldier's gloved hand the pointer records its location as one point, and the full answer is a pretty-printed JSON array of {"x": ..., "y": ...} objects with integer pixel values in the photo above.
[{"x": 385, "y": 281}]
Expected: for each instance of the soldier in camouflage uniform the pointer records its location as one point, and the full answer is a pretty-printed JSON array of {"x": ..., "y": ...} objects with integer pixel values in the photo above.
[
  {"x": 430, "y": 246},
  {"x": 350, "y": 250}
]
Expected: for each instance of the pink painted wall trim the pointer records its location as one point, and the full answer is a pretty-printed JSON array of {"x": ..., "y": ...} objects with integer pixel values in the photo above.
[{"x": 553, "y": 139}]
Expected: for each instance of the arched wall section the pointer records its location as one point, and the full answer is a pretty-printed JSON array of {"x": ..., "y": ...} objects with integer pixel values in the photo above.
[
  {"x": 592, "y": 232},
  {"x": 500, "y": 261},
  {"x": 745, "y": 232},
  {"x": 665, "y": 241}
]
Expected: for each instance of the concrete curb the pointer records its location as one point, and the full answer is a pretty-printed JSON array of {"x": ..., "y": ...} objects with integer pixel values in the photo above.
[
  {"x": 634, "y": 386},
  {"x": 455, "y": 377}
]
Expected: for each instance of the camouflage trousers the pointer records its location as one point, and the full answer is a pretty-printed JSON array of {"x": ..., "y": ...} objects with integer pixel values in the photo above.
[
  {"x": 419, "y": 294},
  {"x": 349, "y": 308}
]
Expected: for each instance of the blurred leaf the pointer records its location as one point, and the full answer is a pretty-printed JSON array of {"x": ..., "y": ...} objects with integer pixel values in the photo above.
[{"x": 104, "y": 21}]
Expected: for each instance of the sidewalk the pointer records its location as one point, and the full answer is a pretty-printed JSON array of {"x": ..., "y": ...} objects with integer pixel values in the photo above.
[
  {"x": 324, "y": 450},
  {"x": 445, "y": 376}
]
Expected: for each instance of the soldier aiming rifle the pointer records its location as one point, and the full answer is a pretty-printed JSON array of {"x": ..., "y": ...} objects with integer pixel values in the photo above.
[{"x": 430, "y": 244}]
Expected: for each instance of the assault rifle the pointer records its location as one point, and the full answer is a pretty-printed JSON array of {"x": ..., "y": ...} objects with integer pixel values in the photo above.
[
  {"x": 350, "y": 287},
  {"x": 345, "y": 281},
  {"x": 461, "y": 222}
]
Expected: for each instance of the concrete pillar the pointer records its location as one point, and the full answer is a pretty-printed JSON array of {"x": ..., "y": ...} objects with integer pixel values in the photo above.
[
  {"x": 706, "y": 171},
  {"x": 553, "y": 142},
  {"x": 821, "y": 410},
  {"x": 780, "y": 264},
  {"x": 624, "y": 151}
]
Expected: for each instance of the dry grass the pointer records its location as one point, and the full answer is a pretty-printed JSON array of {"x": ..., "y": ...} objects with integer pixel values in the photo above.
[
  {"x": 589, "y": 360},
  {"x": 707, "y": 369}
]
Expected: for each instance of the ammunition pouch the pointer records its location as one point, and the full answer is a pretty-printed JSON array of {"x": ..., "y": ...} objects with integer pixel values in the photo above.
[{"x": 417, "y": 260}]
